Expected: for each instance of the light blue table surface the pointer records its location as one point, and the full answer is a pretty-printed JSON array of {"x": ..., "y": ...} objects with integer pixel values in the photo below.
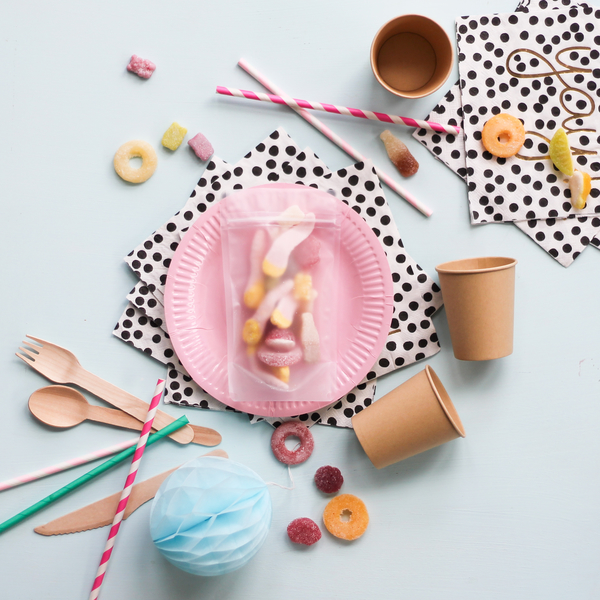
[{"x": 512, "y": 511}]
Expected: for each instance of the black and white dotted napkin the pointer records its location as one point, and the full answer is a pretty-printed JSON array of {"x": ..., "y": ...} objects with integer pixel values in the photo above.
[
  {"x": 416, "y": 297},
  {"x": 562, "y": 238}
]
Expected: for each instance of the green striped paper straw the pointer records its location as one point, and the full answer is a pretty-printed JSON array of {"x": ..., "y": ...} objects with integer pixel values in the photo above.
[{"x": 111, "y": 462}]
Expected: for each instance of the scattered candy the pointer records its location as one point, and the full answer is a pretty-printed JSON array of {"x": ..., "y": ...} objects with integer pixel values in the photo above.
[
  {"x": 174, "y": 136},
  {"x": 129, "y": 150},
  {"x": 280, "y": 339},
  {"x": 292, "y": 457},
  {"x": 273, "y": 358},
  {"x": 346, "y": 517},
  {"x": 276, "y": 261},
  {"x": 282, "y": 373},
  {"x": 399, "y": 154},
  {"x": 291, "y": 216},
  {"x": 201, "y": 146},
  {"x": 303, "y": 287},
  {"x": 304, "y": 531},
  {"x": 503, "y": 135},
  {"x": 255, "y": 289},
  {"x": 560, "y": 152},
  {"x": 309, "y": 336},
  {"x": 580, "y": 185},
  {"x": 307, "y": 253},
  {"x": 283, "y": 315},
  {"x": 255, "y": 325},
  {"x": 329, "y": 479},
  {"x": 142, "y": 67}
]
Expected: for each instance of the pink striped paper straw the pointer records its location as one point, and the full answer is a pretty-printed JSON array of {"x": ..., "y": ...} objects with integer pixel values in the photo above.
[
  {"x": 296, "y": 103},
  {"x": 67, "y": 464},
  {"x": 336, "y": 139},
  {"x": 135, "y": 463}
]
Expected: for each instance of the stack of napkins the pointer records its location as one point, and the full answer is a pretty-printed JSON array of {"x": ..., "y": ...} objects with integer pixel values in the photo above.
[
  {"x": 412, "y": 336},
  {"x": 539, "y": 65}
]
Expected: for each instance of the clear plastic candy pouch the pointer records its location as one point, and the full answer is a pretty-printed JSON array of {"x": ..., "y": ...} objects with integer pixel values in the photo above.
[{"x": 280, "y": 266}]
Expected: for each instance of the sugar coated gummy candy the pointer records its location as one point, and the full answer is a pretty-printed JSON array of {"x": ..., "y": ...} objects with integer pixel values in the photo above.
[
  {"x": 346, "y": 517},
  {"x": 292, "y": 457},
  {"x": 329, "y": 479},
  {"x": 307, "y": 254},
  {"x": 580, "y": 186},
  {"x": 560, "y": 152},
  {"x": 309, "y": 336},
  {"x": 275, "y": 358},
  {"x": 129, "y": 150},
  {"x": 399, "y": 154},
  {"x": 304, "y": 531},
  {"x": 201, "y": 147},
  {"x": 142, "y": 67},
  {"x": 174, "y": 136},
  {"x": 503, "y": 135},
  {"x": 280, "y": 339}
]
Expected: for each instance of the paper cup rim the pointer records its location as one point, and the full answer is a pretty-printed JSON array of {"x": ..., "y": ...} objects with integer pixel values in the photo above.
[
  {"x": 458, "y": 267},
  {"x": 444, "y": 399}
]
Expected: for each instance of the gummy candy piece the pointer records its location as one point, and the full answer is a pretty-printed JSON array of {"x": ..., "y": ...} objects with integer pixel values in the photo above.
[
  {"x": 347, "y": 507},
  {"x": 399, "y": 154},
  {"x": 201, "y": 146},
  {"x": 303, "y": 287},
  {"x": 307, "y": 253},
  {"x": 282, "y": 373},
  {"x": 304, "y": 531},
  {"x": 560, "y": 152},
  {"x": 292, "y": 457},
  {"x": 276, "y": 261},
  {"x": 280, "y": 339},
  {"x": 273, "y": 358},
  {"x": 309, "y": 336},
  {"x": 580, "y": 185},
  {"x": 142, "y": 67},
  {"x": 283, "y": 315},
  {"x": 174, "y": 136},
  {"x": 255, "y": 289},
  {"x": 503, "y": 135},
  {"x": 268, "y": 378},
  {"x": 329, "y": 479},
  {"x": 129, "y": 150},
  {"x": 255, "y": 325},
  {"x": 309, "y": 305},
  {"x": 291, "y": 216}
]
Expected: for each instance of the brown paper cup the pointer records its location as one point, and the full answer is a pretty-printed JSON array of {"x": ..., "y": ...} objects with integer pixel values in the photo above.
[
  {"x": 411, "y": 56},
  {"x": 414, "y": 417},
  {"x": 479, "y": 295}
]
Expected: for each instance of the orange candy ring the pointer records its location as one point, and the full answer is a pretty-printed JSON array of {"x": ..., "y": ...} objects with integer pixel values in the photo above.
[
  {"x": 503, "y": 135},
  {"x": 348, "y": 506}
]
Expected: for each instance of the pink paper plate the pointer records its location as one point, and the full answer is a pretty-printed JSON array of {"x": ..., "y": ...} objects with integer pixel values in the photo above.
[{"x": 195, "y": 308}]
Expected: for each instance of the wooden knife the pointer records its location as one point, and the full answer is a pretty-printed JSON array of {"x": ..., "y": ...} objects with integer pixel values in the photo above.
[{"x": 101, "y": 513}]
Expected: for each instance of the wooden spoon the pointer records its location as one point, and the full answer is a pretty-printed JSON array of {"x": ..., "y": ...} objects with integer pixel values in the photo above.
[{"x": 62, "y": 406}]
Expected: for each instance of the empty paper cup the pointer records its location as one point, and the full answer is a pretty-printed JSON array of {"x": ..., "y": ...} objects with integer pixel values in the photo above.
[
  {"x": 414, "y": 417},
  {"x": 479, "y": 295},
  {"x": 411, "y": 56}
]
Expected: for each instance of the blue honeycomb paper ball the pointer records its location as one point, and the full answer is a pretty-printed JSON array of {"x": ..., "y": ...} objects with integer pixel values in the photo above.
[{"x": 211, "y": 516}]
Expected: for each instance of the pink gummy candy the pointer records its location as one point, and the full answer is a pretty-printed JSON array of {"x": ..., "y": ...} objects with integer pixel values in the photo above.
[
  {"x": 142, "y": 67},
  {"x": 306, "y": 254},
  {"x": 280, "y": 339},
  {"x": 329, "y": 479},
  {"x": 304, "y": 531},
  {"x": 201, "y": 146},
  {"x": 284, "y": 431},
  {"x": 273, "y": 358}
]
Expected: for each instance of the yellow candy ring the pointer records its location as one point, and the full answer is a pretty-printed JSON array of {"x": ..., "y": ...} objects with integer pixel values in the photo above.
[
  {"x": 348, "y": 506},
  {"x": 129, "y": 150},
  {"x": 503, "y": 135}
]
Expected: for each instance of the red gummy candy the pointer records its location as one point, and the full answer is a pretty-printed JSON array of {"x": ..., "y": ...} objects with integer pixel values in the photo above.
[
  {"x": 292, "y": 457},
  {"x": 329, "y": 479},
  {"x": 306, "y": 254},
  {"x": 274, "y": 358},
  {"x": 280, "y": 339},
  {"x": 304, "y": 531}
]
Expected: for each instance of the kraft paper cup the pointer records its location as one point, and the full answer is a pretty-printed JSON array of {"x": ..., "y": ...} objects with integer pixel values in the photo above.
[
  {"x": 414, "y": 417},
  {"x": 411, "y": 56},
  {"x": 479, "y": 295}
]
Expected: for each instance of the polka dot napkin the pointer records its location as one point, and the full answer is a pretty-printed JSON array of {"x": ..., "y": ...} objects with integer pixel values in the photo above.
[
  {"x": 508, "y": 63},
  {"x": 412, "y": 336}
]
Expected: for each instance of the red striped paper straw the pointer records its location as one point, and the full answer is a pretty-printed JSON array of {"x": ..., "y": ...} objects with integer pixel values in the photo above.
[
  {"x": 296, "y": 103},
  {"x": 135, "y": 463},
  {"x": 336, "y": 139},
  {"x": 67, "y": 464}
]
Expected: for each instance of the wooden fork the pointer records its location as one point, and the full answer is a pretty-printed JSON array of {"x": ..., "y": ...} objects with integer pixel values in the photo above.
[{"x": 61, "y": 366}]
